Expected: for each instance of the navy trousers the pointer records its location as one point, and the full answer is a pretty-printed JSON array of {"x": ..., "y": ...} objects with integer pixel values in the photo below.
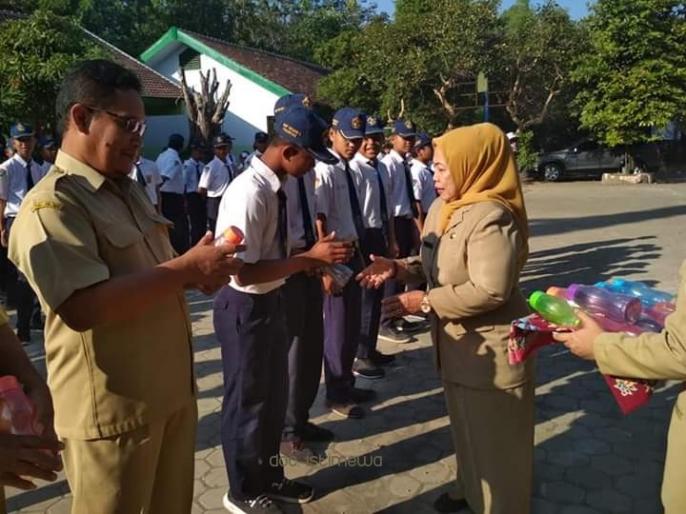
[
  {"x": 341, "y": 335},
  {"x": 174, "y": 209},
  {"x": 252, "y": 332},
  {"x": 213, "y": 211},
  {"x": 197, "y": 216},
  {"x": 303, "y": 302},
  {"x": 19, "y": 290},
  {"x": 405, "y": 236},
  {"x": 374, "y": 242}
]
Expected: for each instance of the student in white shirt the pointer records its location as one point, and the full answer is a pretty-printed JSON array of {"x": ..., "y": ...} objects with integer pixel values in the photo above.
[
  {"x": 145, "y": 172},
  {"x": 216, "y": 177},
  {"x": 195, "y": 202},
  {"x": 422, "y": 176},
  {"x": 249, "y": 320},
  {"x": 172, "y": 192}
]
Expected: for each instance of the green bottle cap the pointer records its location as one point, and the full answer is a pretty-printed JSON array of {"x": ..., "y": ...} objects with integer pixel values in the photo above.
[{"x": 535, "y": 297}]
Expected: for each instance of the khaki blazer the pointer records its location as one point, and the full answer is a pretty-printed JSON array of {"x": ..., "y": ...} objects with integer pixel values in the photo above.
[
  {"x": 657, "y": 356},
  {"x": 473, "y": 273}
]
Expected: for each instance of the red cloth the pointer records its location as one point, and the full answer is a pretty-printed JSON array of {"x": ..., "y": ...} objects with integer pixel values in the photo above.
[{"x": 530, "y": 333}]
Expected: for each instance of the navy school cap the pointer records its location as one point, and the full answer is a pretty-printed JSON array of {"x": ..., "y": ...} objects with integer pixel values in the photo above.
[
  {"x": 197, "y": 144},
  {"x": 349, "y": 122},
  {"x": 422, "y": 140},
  {"x": 261, "y": 137},
  {"x": 302, "y": 127},
  {"x": 222, "y": 139},
  {"x": 404, "y": 128},
  {"x": 374, "y": 125},
  {"x": 292, "y": 100},
  {"x": 47, "y": 142},
  {"x": 20, "y": 129}
]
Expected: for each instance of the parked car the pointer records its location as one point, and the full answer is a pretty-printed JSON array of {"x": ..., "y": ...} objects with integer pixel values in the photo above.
[{"x": 589, "y": 158}]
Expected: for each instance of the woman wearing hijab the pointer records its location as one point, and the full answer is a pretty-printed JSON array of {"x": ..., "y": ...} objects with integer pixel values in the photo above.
[{"x": 474, "y": 246}]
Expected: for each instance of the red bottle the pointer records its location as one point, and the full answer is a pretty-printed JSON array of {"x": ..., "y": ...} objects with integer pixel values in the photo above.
[{"x": 17, "y": 412}]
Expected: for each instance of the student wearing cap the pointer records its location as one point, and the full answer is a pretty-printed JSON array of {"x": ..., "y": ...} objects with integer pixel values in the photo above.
[
  {"x": 292, "y": 100},
  {"x": 259, "y": 146},
  {"x": 406, "y": 218},
  {"x": 422, "y": 176},
  {"x": 216, "y": 177},
  {"x": 305, "y": 325},
  {"x": 374, "y": 188},
  {"x": 48, "y": 150},
  {"x": 195, "y": 202},
  {"x": 339, "y": 210},
  {"x": 249, "y": 320},
  {"x": 145, "y": 172},
  {"x": 18, "y": 175},
  {"x": 172, "y": 192}
]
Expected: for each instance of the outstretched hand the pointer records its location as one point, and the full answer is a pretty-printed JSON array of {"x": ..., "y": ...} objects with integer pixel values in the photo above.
[{"x": 377, "y": 273}]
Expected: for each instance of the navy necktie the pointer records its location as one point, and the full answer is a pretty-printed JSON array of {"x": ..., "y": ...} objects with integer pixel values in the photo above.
[
  {"x": 354, "y": 203},
  {"x": 139, "y": 175},
  {"x": 282, "y": 223},
  {"x": 305, "y": 210},
  {"x": 382, "y": 192},
  {"x": 410, "y": 189},
  {"x": 29, "y": 177}
]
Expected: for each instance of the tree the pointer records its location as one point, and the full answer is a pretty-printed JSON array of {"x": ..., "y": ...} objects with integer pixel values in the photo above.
[
  {"x": 633, "y": 79},
  {"x": 205, "y": 109},
  {"x": 540, "y": 50},
  {"x": 37, "y": 51}
]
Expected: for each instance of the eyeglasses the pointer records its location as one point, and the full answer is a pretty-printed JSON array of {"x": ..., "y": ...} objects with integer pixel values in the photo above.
[{"x": 128, "y": 123}]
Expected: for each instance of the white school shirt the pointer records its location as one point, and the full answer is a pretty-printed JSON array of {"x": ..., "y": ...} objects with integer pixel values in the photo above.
[
  {"x": 251, "y": 204},
  {"x": 216, "y": 177},
  {"x": 296, "y": 228},
  {"x": 395, "y": 163},
  {"x": 423, "y": 183},
  {"x": 332, "y": 199},
  {"x": 13, "y": 183},
  {"x": 192, "y": 170},
  {"x": 369, "y": 191},
  {"x": 152, "y": 177},
  {"x": 171, "y": 169}
]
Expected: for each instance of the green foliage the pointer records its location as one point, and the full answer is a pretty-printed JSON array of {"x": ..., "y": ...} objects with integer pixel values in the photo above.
[
  {"x": 527, "y": 156},
  {"x": 37, "y": 51},
  {"x": 633, "y": 78}
]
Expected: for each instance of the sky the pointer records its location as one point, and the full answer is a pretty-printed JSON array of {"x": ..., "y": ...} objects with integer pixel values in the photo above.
[{"x": 577, "y": 8}]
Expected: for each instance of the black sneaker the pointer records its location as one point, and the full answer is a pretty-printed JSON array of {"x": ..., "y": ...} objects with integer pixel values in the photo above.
[
  {"x": 315, "y": 434},
  {"x": 444, "y": 503},
  {"x": 289, "y": 491},
  {"x": 359, "y": 395},
  {"x": 393, "y": 335},
  {"x": 381, "y": 359},
  {"x": 348, "y": 410},
  {"x": 365, "y": 368},
  {"x": 260, "y": 505},
  {"x": 24, "y": 336},
  {"x": 413, "y": 327}
]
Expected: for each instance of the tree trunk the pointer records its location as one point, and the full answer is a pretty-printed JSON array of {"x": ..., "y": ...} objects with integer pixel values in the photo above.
[{"x": 205, "y": 109}]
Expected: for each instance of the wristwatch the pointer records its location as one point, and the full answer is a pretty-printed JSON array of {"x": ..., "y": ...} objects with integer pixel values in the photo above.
[{"x": 425, "y": 306}]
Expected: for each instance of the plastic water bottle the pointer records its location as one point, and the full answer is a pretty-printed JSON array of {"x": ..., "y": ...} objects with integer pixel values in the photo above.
[
  {"x": 559, "y": 292},
  {"x": 643, "y": 292},
  {"x": 232, "y": 235},
  {"x": 553, "y": 309},
  {"x": 659, "y": 312},
  {"x": 340, "y": 273},
  {"x": 594, "y": 300},
  {"x": 17, "y": 413}
]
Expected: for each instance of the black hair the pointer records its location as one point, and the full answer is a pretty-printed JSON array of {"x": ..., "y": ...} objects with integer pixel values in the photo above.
[{"x": 93, "y": 83}]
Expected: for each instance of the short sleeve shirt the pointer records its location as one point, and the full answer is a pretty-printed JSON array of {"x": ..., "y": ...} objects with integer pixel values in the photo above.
[
  {"x": 76, "y": 229},
  {"x": 13, "y": 183},
  {"x": 400, "y": 199},
  {"x": 215, "y": 178},
  {"x": 171, "y": 169},
  {"x": 423, "y": 184},
  {"x": 332, "y": 200},
  {"x": 152, "y": 178}
]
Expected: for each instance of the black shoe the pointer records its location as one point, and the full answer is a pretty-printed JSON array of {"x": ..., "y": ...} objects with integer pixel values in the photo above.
[
  {"x": 365, "y": 368},
  {"x": 260, "y": 505},
  {"x": 348, "y": 410},
  {"x": 296, "y": 450},
  {"x": 358, "y": 395},
  {"x": 24, "y": 336},
  {"x": 289, "y": 491},
  {"x": 412, "y": 327},
  {"x": 381, "y": 359},
  {"x": 444, "y": 503},
  {"x": 393, "y": 335},
  {"x": 315, "y": 434}
]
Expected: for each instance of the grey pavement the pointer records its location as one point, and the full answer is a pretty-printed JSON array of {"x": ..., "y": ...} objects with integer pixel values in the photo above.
[{"x": 589, "y": 457}]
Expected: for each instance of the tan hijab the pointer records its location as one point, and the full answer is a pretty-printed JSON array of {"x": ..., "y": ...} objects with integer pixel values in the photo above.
[{"x": 483, "y": 168}]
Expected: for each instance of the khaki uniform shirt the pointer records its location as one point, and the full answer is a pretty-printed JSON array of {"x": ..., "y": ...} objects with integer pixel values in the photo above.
[
  {"x": 473, "y": 272},
  {"x": 75, "y": 229}
]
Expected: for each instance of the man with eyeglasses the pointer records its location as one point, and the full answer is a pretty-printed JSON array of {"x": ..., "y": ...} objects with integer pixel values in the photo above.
[
  {"x": 17, "y": 176},
  {"x": 118, "y": 345}
]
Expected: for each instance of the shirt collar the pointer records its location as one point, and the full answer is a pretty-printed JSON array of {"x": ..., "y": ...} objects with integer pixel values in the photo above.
[
  {"x": 72, "y": 166},
  {"x": 396, "y": 156},
  {"x": 21, "y": 161},
  {"x": 267, "y": 173}
]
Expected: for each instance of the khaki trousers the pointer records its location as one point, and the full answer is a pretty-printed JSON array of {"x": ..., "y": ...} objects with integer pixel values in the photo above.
[
  {"x": 674, "y": 480},
  {"x": 493, "y": 434},
  {"x": 146, "y": 471}
]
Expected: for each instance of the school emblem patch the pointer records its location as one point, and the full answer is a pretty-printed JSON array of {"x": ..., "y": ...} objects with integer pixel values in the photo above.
[
  {"x": 356, "y": 123},
  {"x": 371, "y": 120},
  {"x": 307, "y": 102},
  {"x": 408, "y": 124}
]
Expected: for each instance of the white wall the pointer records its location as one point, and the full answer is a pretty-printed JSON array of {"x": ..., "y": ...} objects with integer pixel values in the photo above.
[
  {"x": 250, "y": 104},
  {"x": 158, "y": 132}
]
